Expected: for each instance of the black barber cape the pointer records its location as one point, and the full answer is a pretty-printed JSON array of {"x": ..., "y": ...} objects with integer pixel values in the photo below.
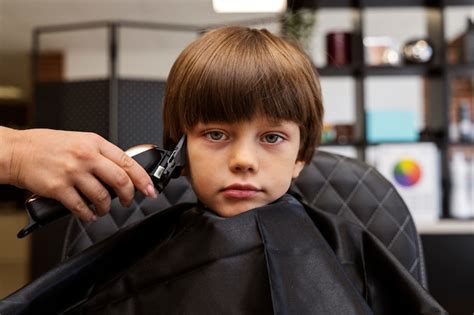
[{"x": 282, "y": 258}]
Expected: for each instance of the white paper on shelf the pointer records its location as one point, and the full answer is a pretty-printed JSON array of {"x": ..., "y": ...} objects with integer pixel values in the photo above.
[
  {"x": 339, "y": 100},
  {"x": 423, "y": 198}
]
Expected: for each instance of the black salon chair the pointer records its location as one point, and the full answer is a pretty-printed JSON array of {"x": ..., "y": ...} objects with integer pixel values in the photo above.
[{"x": 332, "y": 183}]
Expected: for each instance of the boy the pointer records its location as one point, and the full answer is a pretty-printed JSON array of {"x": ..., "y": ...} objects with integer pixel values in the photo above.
[{"x": 250, "y": 106}]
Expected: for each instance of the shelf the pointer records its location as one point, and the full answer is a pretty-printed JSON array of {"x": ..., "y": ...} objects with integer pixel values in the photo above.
[
  {"x": 315, "y": 4},
  {"x": 457, "y": 2},
  {"x": 461, "y": 69},
  {"x": 419, "y": 70},
  {"x": 462, "y": 144},
  {"x": 362, "y": 144},
  {"x": 297, "y": 4},
  {"x": 399, "y": 142},
  {"x": 422, "y": 70},
  {"x": 337, "y": 144},
  {"x": 446, "y": 226},
  {"x": 335, "y": 71},
  {"x": 400, "y": 3}
]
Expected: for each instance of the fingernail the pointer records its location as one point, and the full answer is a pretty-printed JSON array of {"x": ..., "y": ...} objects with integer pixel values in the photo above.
[
  {"x": 94, "y": 218},
  {"x": 150, "y": 191}
]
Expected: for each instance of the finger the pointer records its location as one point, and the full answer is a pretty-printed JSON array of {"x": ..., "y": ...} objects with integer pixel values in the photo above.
[
  {"x": 94, "y": 192},
  {"x": 136, "y": 173},
  {"x": 116, "y": 178},
  {"x": 71, "y": 199}
]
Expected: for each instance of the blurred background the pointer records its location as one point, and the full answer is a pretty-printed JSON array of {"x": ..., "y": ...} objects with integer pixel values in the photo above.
[{"x": 397, "y": 80}]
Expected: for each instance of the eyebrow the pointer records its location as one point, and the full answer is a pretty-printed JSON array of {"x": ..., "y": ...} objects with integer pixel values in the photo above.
[{"x": 276, "y": 123}]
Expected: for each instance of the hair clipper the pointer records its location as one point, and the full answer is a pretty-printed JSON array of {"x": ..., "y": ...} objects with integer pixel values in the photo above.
[{"x": 161, "y": 165}]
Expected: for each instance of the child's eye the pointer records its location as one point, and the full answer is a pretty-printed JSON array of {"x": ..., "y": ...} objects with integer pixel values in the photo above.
[
  {"x": 215, "y": 135},
  {"x": 272, "y": 138}
]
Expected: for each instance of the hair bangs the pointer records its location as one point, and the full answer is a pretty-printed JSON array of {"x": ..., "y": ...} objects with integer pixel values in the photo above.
[
  {"x": 244, "y": 84},
  {"x": 234, "y": 74}
]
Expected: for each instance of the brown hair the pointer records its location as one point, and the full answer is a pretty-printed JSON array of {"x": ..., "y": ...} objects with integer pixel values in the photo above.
[{"x": 232, "y": 73}]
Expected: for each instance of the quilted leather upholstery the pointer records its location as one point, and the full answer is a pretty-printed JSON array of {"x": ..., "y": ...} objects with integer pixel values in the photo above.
[
  {"x": 80, "y": 235},
  {"x": 358, "y": 192},
  {"x": 332, "y": 183}
]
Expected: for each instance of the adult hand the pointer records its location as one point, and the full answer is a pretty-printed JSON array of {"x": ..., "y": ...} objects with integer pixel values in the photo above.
[{"x": 60, "y": 164}]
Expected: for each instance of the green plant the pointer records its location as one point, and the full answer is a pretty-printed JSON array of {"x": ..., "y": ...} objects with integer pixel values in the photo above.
[{"x": 299, "y": 25}]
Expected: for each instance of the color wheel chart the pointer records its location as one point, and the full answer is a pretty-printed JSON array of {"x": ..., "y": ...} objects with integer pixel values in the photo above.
[{"x": 407, "y": 172}]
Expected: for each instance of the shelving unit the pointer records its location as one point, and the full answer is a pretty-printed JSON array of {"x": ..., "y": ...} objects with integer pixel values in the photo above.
[
  {"x": 448, "y": 242},
  {"x": 437, "y": 74}
]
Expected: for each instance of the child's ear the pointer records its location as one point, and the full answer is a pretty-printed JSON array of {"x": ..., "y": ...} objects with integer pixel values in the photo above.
[{"x": 297, "y": 168}]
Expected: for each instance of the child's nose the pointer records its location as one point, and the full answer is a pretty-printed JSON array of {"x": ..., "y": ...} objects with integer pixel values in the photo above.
[{"x": 244, "y": 158}]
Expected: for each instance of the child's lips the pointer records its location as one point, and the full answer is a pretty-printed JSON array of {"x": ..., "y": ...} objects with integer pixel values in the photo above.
[{"x": 240, "y": 191}]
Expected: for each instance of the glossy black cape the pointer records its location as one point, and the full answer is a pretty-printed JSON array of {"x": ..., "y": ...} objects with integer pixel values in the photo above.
[{"x": 282, "y": 258}]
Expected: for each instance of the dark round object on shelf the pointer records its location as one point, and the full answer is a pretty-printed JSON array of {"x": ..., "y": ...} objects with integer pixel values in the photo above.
[
  {"x": 338, "y": 46},
  {"x": 418, "y": 51}
]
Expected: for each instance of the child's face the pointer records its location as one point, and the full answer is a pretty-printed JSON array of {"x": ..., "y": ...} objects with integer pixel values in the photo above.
[{"x": 240, "y": 166}]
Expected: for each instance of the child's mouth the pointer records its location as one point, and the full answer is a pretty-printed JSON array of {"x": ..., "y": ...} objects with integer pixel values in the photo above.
[{"x": 240, "y": 191}]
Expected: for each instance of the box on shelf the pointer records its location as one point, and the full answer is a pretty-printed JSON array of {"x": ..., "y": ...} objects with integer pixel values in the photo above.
[
  {"x": 381, "y": 50},
  {"x": 461, "y": 166},
  {"x": 337, "y": 133},
  {"x": 387, "y": 125},
  {"x": 461, "y": 111},
  {"x": 414, "y": 170},
  {"x": 461, "y": 49}
]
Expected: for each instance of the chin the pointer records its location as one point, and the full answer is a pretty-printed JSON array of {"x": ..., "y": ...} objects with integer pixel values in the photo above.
[{"x": 233, "y": 210}]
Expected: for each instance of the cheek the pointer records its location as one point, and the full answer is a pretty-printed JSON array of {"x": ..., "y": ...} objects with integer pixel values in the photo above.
[
  {"x": 197, "y": 178},
  {"x": 195, "y": 168},
  {"x": 288, "y": 170},
  {"x": 285, "y": 168},
  {"x": 202, "y": 166}
]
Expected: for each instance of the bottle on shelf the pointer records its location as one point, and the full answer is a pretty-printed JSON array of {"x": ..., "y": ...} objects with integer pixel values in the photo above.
[
  {"x": 453, "y": 131},
  {"x": 470, "y": 183},
  {"x": 465, "y": 124},
  {"x": 468, "y": 52},
  {"x": 461, "y": 204}
]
